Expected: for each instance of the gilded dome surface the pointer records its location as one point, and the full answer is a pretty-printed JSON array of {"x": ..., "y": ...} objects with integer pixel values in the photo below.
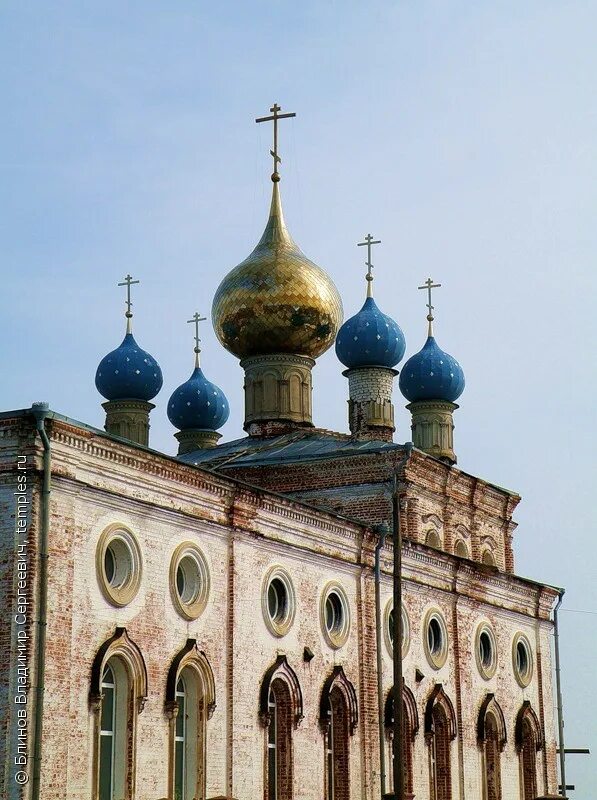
[{"x": 277, "y": 300}]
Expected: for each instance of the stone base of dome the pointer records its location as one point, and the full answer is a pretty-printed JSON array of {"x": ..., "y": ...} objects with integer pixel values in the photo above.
[
  {"x": 370, "y": 407},
  {"x": 128, "y": 419},
  {"x": 188, "y": 441},
  {"x": 433, "y": 428},
  {"x": 278, "y": 389}
]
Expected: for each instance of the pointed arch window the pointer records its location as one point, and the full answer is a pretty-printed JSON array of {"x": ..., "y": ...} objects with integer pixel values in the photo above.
[
  {"x": 338, "y": 716},
  {"x": 280, "y": 711},
  {"x": 440, "y": 730},
  {"x": 528, "y": 740},
  {"x": 190, "y": 702},
  {"x": 117, "y": 694},
  {"x": 410, "y": 727},
  {"x": 492, "y": 737}
]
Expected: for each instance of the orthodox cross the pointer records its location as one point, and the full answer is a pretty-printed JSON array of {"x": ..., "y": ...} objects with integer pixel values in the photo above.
[
  {"x": 128, "y": 282},
  {"x": 429, "y": 285},
  {"x": 197, "y": 318},
  {"x": 369, "y": 242},
  {"x": 275, "y": 109}
]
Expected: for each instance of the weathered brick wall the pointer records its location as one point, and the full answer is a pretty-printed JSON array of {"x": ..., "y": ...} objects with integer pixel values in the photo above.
[
  {"x": 459, "y": 507},
  {"x": 243, "y": 533},
  {"x": 18, "y": 539}
]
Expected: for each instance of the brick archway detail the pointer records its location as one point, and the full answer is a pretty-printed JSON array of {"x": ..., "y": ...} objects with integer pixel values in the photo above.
[
  {"x": 527, "y": 714},
  {"x": 410, "y": 704},
  {"x": 439, "y": 697},
  {"x": 337, "y": 679},
  {"x": 191, "y": 656},
  {"x": 281, "y": 670},
  {"x": 122, "y": 646},
  {"x": 491, "y": 706}
]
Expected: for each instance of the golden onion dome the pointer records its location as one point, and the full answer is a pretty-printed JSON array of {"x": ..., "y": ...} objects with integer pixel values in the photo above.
[{"x": 277, "y": 300}]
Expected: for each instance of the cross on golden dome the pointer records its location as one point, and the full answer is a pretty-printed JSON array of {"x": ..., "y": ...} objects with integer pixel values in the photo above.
[
  {"x": 275, "y": 109},
  {"x": 128, "y": 282},
  {"x": 369, "y": 242}
]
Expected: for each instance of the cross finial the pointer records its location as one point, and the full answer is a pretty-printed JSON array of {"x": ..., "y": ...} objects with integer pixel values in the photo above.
[
  {"x": 197, "y": 318},
  {"x": 275, "y": 109},
  {"x": 429, "y": 285},
  {"x": 128, "y": 282},
  {"x": 369, "y": 242}
]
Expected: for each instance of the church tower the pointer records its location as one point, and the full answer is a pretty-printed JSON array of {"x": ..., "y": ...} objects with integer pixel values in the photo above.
[
  {"x": 277, "y": 312},
  {"x": 128, "y": 378},
  {"x": 370, "y": 344},
  {"x": 197, "y": 407},
  {"x": 432, "y": 380}
]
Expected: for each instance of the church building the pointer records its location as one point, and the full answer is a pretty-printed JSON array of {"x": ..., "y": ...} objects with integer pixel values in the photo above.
[{"x": 220, "y": 623}]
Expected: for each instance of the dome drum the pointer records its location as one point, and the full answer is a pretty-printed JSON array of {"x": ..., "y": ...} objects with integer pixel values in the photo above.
[
  {"x": 128, "y": 419},
  {"x": 370, "y": 407},
  {"x": 433, "y": 428},
  {"x": 191, "y": 440},
  {"x": 277, "y": 388}
]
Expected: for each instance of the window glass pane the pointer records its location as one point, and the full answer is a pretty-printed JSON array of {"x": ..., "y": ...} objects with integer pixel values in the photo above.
[
  {"x": 179, "y": 771},
  {"x": 180, "y": 580},
  {"x": 272, "y": 600},
  {"x": 109, "y": 565},
  {"x": 107, "y": 709},
  {"x": 105, "y": 765},
  {"x": 272, "y": 741}
]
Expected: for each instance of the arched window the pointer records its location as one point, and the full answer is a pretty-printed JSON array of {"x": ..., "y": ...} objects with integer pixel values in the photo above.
[
  {"x": 117, "y": 694},
  {"x": 190, "y": 702},
  {"x": 488, "y": 558},
  {"x": 440, "y": 730},
  {"x": 338, "y": 716},
  {"x": 280, "y": 710},
  {"x": 491, "y": 734},
  {"x": 433, "y": 540},
  {"x": 410, "y": 727},
  {"x": 461, "y": 549},
  {"x": 528, "y": 742}
]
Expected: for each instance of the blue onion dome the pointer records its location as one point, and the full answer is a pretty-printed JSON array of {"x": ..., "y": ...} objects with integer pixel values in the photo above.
[
  {"x": 370, "y": 339},
  {"x": 198, "y": 404},
  {"x": 431, "y": 374},
  {"x": 128, "y": 373}
]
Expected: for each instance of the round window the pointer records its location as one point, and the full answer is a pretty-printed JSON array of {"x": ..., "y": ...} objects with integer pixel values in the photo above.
[
  {"x": 435, "y": 639},
  {"x": 278, "y": 601},
  {"x": 189, "y": 580},
  {"x": 522, "y": 657},
  {"x": 486, "y": 650},
  {"x": 335, "y": 615},
  {"x": 389, "y": 629},
  {"x": 118, "y": 565}
]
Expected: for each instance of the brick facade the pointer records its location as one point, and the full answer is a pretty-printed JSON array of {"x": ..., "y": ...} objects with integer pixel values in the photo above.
[{"x": 243, "y": 531}]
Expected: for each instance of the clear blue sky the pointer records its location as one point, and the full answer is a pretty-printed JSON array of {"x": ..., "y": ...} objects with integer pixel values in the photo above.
[{"x": 462, "y": 134}]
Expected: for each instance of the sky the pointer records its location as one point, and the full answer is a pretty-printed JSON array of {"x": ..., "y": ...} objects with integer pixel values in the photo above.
[{"x": 462, "y": 134}]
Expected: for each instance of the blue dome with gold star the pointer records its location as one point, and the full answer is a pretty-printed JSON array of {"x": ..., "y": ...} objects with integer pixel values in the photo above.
[
  {"x": 198, "y": 404},
  {"x": 431, "y": 374},
  {"x": 370, "y": 339},
  {"x": 128, "y": 373}
]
